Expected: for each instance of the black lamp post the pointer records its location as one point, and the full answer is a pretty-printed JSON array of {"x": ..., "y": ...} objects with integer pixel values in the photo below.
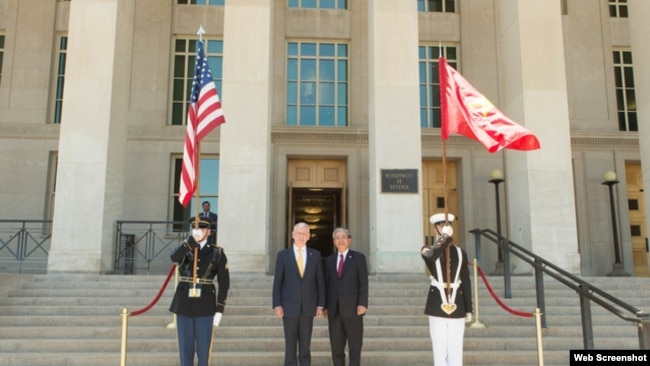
[
  {"x": 609, "y": 180},
  {"x": 496, "y": 177}
]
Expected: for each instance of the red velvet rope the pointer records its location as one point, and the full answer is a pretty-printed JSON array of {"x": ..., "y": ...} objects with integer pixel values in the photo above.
[
  {"x": 160, "y": 292},
  {"x": 496, "y": 298}
]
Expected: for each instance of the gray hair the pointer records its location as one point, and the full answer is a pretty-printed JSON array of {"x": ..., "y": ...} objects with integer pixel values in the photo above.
[
  {"x": 300, "y": 224},
  {"x": 341, "y": 229}
]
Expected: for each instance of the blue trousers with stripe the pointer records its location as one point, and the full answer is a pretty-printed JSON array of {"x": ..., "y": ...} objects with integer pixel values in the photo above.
[{"x": 194, "y": 336}]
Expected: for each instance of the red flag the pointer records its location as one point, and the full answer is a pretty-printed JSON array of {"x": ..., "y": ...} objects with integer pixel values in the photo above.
[
  {"x": 203, "y": 116},
  {"x": 467, "y": 112}
]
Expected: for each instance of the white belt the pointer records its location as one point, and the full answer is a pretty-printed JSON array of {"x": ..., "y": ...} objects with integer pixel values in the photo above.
[{"x": 443, "y": 285}]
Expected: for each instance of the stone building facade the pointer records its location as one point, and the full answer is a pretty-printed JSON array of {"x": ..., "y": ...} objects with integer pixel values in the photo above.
[{"x": 327, "y": 104}]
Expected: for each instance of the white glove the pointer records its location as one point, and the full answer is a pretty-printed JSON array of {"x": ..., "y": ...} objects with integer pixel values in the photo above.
[
  {"x": 217, "y": 319},
  {"x": 468, "y": 317},
  {"x": 197, "y": 234},
  {"x": 448, "y": 230}
]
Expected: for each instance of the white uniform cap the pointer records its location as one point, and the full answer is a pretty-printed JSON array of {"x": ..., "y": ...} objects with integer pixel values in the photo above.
[{"x": 440, "y": 218}]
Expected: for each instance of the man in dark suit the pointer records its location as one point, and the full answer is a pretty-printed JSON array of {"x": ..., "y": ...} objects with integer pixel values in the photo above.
[
  {"x": 298, "y": 294},
  {"x": 346, "y": 279},
  {"x": 212, "y": 239}
]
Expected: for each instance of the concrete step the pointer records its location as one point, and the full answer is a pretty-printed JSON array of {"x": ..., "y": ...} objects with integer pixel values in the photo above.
[
  {"x": 380, "y": 358},
  {"x": 276, "y": 343},
  {"x": 487, "y": 305},
  {"x": 63, "y": 319},
  {"x": 320, "y": 330}
]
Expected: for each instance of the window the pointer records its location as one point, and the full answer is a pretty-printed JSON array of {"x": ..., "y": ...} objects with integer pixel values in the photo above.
[
  {"x": 208, "y": 186},
  {"x": 625, "y": 95},
  {"x": 439, "y": 6},
  {"x": 60, "y": 78},
  {"x": 430, "y": 83},
  {"x": 618, "y": 8},
  {"x": 319, "y": 4},
  {"x": 202, "y": 2},
  {"x": 2, "y": 53},
  {"x": 51, "y": 184},
  {"x": 184, "y": 59},
  {"x": 317, "y": 84}
]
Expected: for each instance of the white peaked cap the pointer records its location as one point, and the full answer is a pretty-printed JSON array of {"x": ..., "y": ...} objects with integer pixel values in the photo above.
[{"x": 440, "y": 217}]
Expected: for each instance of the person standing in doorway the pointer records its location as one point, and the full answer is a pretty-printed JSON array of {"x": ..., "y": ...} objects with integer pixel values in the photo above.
[
  {"x": 298, "y": 295},
  {"x": 449, "y": 302},
  {"x": 346, "y": 281},
  {"x": 212, "y": 239},
  {"x": 197, "y": 304}
]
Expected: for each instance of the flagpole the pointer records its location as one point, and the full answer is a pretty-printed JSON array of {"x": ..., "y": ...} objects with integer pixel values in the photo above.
[
  {"x": 444, "y": 182},
  {"x": 200, "y": 32},
  {"x": 197, "y": 163},
  {"x": 444, "y": 122}
]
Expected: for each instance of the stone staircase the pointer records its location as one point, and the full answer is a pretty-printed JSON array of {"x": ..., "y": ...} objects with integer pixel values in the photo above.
[{"x": 69, "y": 319}]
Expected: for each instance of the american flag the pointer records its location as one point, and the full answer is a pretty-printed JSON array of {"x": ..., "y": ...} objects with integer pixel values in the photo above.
[{"x": 204, "y": 115}]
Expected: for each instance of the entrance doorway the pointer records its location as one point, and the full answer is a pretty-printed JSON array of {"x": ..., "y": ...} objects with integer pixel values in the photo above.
[
  {"x": 638, "y": 230},
  {"x": 316, "y": 195},
  {"x": 433, "y": 195},
  {"x": 321, "y": 209}
]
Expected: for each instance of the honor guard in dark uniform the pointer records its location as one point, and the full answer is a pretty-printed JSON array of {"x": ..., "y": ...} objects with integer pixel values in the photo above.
[{"x": 197, "y": 303}]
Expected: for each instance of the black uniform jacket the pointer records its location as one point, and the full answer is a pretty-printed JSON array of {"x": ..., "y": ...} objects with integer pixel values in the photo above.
[
  {"x": 463, "y": 299},
  {"x": 212, "y": 262}
]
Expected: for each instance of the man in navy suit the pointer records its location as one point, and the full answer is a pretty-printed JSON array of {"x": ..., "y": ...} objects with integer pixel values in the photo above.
[
  {"x": 212, "y": 239},
  {"x": 298, "y": 295},
  {"x": 346, "y": 279}
]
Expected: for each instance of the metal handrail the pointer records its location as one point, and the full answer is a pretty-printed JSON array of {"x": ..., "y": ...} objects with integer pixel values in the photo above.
[
  {"x": 144, "y": 243},
  {"x": 25, "y": 241},
  {"x": 585, "y": 290}
]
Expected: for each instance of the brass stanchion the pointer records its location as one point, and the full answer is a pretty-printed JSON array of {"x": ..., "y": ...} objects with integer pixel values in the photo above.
[
  {"x": 125, "y": 325},
  {"x": 172, "y": 324},
  {"x": 540, "y": 347},
  {"x": 476, "y": 323}
]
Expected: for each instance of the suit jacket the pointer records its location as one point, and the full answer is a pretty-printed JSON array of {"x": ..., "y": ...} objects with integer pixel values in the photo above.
[
  {"x": 298, "y": 296},
  {"x": 213, "y": 226},
  {"x": 351, "y": 290},
  {"x": 463, "y": 299}
]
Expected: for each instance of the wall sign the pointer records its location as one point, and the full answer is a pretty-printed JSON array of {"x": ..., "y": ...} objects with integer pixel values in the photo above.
[{"x": 399, "y": 181}]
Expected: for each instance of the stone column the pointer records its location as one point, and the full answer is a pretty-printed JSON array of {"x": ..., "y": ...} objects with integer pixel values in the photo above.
[
  {"x": 92, "y": 143},
  {"x": 639, "y": 11},
  {"x": 396, "y": 233},
  {"x": 541, "y": 202},
  {"x": 244, "y": 217}
]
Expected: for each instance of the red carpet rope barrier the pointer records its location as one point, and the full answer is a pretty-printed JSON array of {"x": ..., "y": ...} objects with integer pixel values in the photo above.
[
  {"x": 160, "y": 292},
  {"x": 496, "y": 298}
]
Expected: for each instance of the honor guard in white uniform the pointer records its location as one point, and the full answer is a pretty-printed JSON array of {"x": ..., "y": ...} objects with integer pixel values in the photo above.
[{"x": 449, "y": 302}]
